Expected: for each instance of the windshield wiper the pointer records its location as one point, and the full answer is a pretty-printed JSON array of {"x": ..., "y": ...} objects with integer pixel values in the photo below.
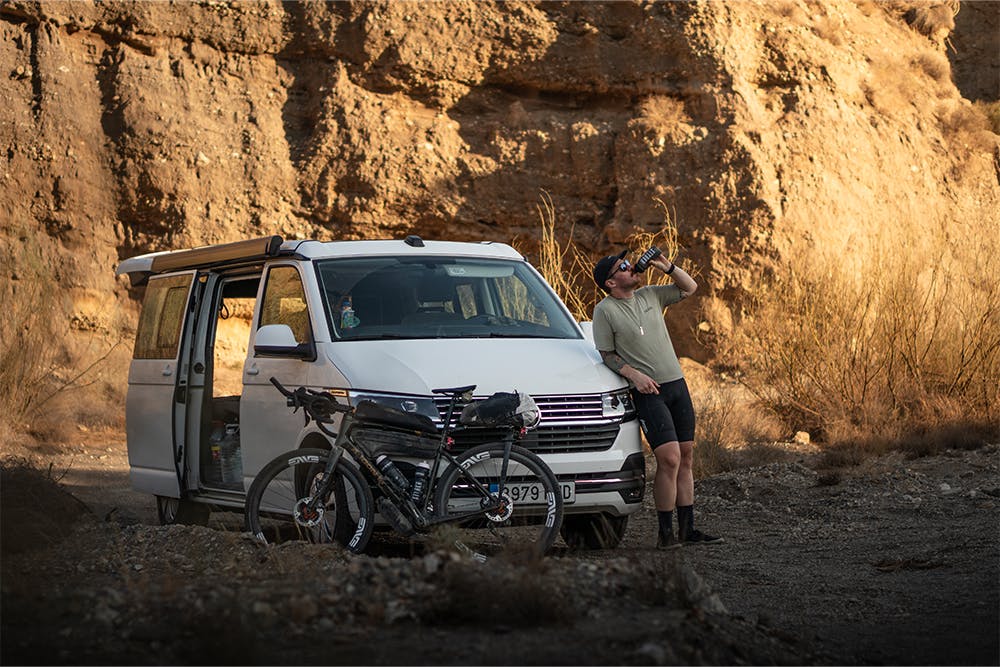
[
  {"x": 383, "y": 336},
  {"x": 497, "y": 334}
]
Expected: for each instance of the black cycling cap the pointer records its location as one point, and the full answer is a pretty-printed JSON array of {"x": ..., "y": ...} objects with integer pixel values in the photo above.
[{"x": 604, "y": 267}]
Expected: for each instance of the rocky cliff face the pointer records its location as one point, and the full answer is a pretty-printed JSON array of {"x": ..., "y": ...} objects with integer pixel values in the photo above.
[{"x": 766, "y": 128}]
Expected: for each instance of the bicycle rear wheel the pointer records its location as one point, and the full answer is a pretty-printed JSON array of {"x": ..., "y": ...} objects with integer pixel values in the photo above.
[
  {"x": 528, "y": 520},
  {"x": 276, "y": 505}
]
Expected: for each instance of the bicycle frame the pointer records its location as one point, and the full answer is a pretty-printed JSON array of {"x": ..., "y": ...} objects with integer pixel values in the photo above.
[{"x": 342, "y": 441}]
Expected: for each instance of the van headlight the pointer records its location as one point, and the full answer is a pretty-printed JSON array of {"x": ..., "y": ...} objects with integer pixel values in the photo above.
[
  {"x": 418, "y": 405},
  {"x": 617, "y": 405}
]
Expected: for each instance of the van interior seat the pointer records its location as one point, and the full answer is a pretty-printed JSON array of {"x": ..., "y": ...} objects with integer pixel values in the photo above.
[
  {"x": 378, "y": 300},
  {"x": 435, "y": 293}
]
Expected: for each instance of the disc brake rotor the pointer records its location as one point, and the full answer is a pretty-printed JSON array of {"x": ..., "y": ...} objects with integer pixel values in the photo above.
[
  {"x": 306, "y": 516},
  {"x": 505, "y": 511}
]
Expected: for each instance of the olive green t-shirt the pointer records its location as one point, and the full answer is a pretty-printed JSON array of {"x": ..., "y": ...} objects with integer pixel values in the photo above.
[{"x": 634, "y": 329}]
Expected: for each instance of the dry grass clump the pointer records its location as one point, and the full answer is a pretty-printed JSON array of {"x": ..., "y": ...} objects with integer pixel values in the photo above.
[
  {"x": 792, "y": 11},
  {"x": 662, "y": 109},
  {"x": 565, "y": 267},
  {"x": 569, "y": 270},
  {"x": 888, "y": 88},
  {"x": 733, "y": 430},
  {"x": 935, "y": 65},
  {"x": 829, "y": 27},
  {"x": 909, "y": 346},
  {"x": 967, "y": 125},
  {"x": 934, "y": 19},
  {"x": 991, "y": 112}
]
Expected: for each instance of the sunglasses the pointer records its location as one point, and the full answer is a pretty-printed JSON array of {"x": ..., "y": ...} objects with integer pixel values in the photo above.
[{"x": 622, "y": 266}]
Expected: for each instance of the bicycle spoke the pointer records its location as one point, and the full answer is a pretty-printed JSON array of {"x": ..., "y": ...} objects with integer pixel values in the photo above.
[
  {"x": 525, "y": 513},
  {"x": 281, "y": 505}
]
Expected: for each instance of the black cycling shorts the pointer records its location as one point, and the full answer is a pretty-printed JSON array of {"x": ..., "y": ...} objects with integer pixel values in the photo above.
[{"x": 667, "y": 415}]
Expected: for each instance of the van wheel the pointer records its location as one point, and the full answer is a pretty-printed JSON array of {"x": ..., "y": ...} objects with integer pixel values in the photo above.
[
  {"x": 184, "y": 512},
  {"x": 593, "y": 531}
]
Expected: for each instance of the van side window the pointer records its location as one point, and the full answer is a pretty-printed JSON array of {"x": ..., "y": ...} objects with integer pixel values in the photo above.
[
  {"x": 285, "y": 302},
  {"x": 162, "y": 317}
]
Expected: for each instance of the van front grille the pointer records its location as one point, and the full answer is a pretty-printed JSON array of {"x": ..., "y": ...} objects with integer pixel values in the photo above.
[{"x": 572, "y": 423}]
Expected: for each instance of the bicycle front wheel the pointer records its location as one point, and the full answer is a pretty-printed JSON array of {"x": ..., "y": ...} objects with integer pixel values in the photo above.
[
  {"x": 278, "y": 507},
  {"x": 528, "y": 504}
]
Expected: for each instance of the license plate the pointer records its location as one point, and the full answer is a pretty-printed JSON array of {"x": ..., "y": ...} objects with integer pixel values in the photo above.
[{"x": 533, "y": 493}]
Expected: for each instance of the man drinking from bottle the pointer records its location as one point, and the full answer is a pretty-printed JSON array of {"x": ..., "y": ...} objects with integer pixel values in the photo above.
[{"x": 631, "y": 335}]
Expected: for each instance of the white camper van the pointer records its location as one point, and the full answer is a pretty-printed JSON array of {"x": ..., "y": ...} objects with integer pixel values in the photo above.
[{"x": 386, "y": 321}]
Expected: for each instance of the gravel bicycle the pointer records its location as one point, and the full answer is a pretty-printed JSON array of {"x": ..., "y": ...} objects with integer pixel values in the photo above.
[{"x": 499, "y": 496}]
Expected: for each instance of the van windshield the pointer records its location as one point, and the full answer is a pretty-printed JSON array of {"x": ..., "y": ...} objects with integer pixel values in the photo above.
[{"x": 377, "y": 298}]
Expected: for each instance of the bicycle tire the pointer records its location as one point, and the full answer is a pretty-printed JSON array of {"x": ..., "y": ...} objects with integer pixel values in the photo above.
[
  {"x": 535, "y": 515},
  {"x": 347, "y": 515}
]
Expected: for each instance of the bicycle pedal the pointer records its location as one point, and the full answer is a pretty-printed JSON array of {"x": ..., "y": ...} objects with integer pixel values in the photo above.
[{"x": 396, "y": 519}]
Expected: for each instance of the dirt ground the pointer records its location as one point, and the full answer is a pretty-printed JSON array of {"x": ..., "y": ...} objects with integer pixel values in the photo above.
[{"x": 893, "y": 562}]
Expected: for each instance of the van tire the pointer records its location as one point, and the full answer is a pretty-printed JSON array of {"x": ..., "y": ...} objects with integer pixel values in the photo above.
[
  {"x": 593, "y": 531},
  {"x": 171, "y": 511}
]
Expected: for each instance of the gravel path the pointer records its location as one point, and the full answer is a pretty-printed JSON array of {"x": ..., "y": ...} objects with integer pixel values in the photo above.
[{"x": 893, "y": 562}]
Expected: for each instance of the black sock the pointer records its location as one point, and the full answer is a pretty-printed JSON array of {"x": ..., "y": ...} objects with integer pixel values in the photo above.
[
  {"x": 666, "y": 522},
  {"x": 685, "y": 519}
]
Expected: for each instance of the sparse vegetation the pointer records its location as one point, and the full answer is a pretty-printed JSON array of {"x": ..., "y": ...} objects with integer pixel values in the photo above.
[
  {"x": 991, "y": 111},
  {"x": 36, "y": 366},
  {"x": 892, "y": 361},
  {"x": 27, "y": 357},
  {"x": 732, "y": 431},
  {"x": 888, "y": 357}
]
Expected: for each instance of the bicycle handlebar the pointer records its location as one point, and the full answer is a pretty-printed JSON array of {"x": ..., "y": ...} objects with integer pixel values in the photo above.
[
  {"x": 280, "y": 387},
  {"x": 318, "y": 405}
]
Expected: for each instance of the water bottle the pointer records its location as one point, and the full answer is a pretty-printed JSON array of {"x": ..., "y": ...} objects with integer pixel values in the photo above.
[
  {"x": 230, "y": 458},
  {"x": 646, "y": 258},
  {"x": 420, "y": 476},
  {"x": 389, "y": 469}
]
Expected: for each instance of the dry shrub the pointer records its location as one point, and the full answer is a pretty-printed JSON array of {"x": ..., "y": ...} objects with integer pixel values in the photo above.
[
  {"x": 46, "y": 357},
  {"x": 966, "y": 125},
  {"x": 912, "y": 343},
  {"x": 934, "y": 19},
  {"x": 791, "y": 11},
  {"x": 660, "y": 109},
  {"x": 935, "y": 65},
  {"x": 883, "y": 90},
  {"x": 991, "y": 112},
  {"x": 27, "y": 356},
  {"x": 830, "y": 28},
  {"x": 733, "y": 430}
]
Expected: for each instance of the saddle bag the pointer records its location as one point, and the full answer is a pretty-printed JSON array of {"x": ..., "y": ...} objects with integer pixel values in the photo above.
[{"x": 515, "y": 409}]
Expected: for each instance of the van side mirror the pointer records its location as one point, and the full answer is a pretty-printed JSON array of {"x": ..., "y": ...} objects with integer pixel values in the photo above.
[{"x": 277, "y": 340}]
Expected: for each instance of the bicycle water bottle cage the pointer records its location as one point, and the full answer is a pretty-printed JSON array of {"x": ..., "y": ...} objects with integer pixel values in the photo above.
[{"x": 373, "y": 413}]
